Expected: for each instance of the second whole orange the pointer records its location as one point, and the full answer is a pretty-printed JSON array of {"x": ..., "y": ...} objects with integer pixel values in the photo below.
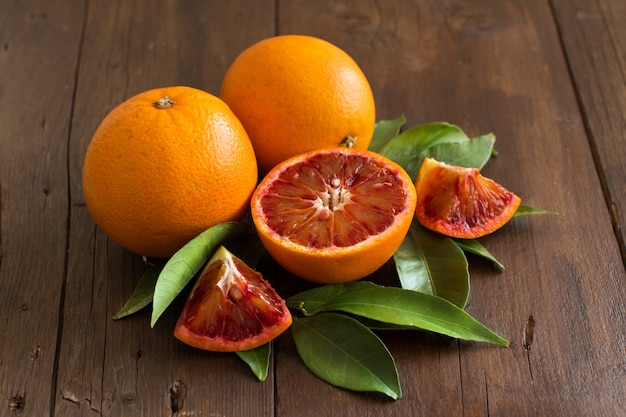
[
  {"x": 164, "y": 166},
  {"x": 297, "y": 93}
]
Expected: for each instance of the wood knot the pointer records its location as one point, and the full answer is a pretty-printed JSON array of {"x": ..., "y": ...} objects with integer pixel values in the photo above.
[
  {"x": 16, "y": 404},
  {"x": 178, "y": 393},
  {"x": 137, "y": 354},
  {"x": 34, "y": 354},
  {"x": 529, "y": 331},
  {"x": 474, "y": 21}
]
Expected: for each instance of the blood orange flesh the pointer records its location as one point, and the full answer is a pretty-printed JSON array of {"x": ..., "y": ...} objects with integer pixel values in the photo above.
[
  {"x": 231, "y": 308},
  {"x": 460, "y": 202},
  {"x": 334, "y": 215}
]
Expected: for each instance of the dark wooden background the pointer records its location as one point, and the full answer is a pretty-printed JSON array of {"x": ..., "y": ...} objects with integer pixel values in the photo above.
[{"x": 548, "y": 77}]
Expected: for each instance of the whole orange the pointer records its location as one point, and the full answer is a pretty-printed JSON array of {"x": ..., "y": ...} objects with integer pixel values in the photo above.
[
  {"x": 165, "y": 165},
  {"x": 296, "y": 93}
]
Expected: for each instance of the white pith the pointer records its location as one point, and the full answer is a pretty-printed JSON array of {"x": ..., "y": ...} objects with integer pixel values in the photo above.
[
  {"x": 333, "y": 198},
  {"x": 230, "y": 274}
]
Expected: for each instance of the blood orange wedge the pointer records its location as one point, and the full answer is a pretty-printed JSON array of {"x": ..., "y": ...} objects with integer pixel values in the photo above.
[
  {"x": 231, "y": 308},
  {"x": 334, "y": 215},
  {"x": 460, "y": 202}
]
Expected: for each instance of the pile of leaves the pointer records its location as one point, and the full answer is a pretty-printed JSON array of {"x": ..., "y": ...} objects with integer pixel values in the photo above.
[{"x": 334, "y": 326}]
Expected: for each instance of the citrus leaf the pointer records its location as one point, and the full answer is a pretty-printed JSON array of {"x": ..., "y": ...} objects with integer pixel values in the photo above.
[
  {"x": 144, "y": 291},
  {"x": 395, "y": 306},
  {"x": 258, "y": 360},
  {"x": 315, "y": 300},
  {"x": 443, "y": 141},
  {"x": 345, "y": 353},
  {"x": 474, "y": 153},
  {"x": 523, "y": 210},
  {"x": 474, "y": 247},
  {"x": 378, "y": 325},
  {"x": 184, "y": 264},
  {"x": 433, "y": 264},
  {"x": 384, "y": 131}
]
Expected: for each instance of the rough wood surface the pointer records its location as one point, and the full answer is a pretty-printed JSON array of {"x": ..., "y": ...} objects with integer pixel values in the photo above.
[
  {"x": 39, "y": 52},
  {"x": 546, "y": 77},
  {"x": 595, "y": 45}
]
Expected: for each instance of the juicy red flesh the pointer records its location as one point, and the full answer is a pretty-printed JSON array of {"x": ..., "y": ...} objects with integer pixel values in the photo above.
[
  {"x": 469, "y": 201},
  {"x": 333, "y": 200},
  {"x": 235, "y": 311},
  {"x": 460, "y": 202}
]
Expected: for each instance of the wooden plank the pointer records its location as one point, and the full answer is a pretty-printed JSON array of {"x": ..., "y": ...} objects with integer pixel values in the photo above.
[
  {"x": 38, "y": 54},
  {"x": 491, "y": 66},
  {"x": 124, "y": 368},
  {"x": 485, "y": 65},
  {"x": 595, "y": 45}
]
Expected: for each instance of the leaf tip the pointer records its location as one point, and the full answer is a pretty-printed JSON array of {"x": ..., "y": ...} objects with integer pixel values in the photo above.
[
  {"x": 502, "y": 342},
  {"x": 395, "y": 395},
  {"x": 154, "y": 318},
  {"x": 120, "y": 314}
]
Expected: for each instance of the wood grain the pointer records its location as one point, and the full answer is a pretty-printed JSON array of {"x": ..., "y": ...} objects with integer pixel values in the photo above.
[
  {"x": 38, "y": 56},
  {"x": 595, "y": 46},
  {"x": 546, "y": 77}
]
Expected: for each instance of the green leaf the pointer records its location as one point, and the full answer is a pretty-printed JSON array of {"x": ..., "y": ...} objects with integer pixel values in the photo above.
[
  {"x": 258, "y": 360},
  {"x": 313, "y": 301},
  {"x": 442, "y": 141},
  {"x": 378, "y": 325},
  {"x": 523, "y": 210},
  {"x": 395, "y": 306},
  {"x": 473, "y": 246},
  {"x": 184, "y": 264},
  {"x": 433, "y": 264},
  {"x": 384, "y": 131},
  {"x": 474, "y": 153},
  {"x": 345, "y": 353},
  {"x": 144, "y": 291}
]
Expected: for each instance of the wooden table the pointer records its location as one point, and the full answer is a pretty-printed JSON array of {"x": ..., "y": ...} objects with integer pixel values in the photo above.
[{"x": 547, "y": 77}]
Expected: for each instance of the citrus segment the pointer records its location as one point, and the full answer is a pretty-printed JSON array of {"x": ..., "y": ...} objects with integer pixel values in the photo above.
[
  {"x": 231, "y": 308},
  {"x": 334, "y": 215},
  {"x": 164, "y": 166},
  {"x": 460, "y": 202},
  {"x": 296, "y": 93}
]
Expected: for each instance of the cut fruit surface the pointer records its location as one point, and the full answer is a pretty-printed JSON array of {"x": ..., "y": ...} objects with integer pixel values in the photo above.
[
  {"x": 231, "y": 308},
  {"x": 334, "y": 215},
  {"x": 460, "y": 202}
]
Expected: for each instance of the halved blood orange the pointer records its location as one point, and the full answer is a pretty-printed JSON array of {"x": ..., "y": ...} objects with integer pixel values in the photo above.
[
  {"x": 334, "y": 215},
  {"x": 231, "y": 308},
  {"x": 460, "y": 202}
]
